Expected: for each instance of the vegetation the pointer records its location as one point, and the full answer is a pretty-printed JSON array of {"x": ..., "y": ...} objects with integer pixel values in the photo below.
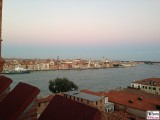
[{"x": 61, "y": 85}]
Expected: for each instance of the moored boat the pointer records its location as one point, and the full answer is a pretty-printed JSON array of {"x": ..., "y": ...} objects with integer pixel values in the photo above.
[{"x": 16, "y": 71}]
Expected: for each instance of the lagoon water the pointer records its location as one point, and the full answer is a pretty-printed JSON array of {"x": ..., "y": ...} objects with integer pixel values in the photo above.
[{"x": 96, "y": 80}]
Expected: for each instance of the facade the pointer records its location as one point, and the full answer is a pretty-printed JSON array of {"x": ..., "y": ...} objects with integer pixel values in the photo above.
[
  {"x": 150, "y": 85},
  {"x": 88, "y": 99},
  {"x": 109, "y": 106}
]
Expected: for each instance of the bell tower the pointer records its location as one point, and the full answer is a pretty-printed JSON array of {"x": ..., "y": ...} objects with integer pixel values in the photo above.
[{"x": 1, "y": 59}]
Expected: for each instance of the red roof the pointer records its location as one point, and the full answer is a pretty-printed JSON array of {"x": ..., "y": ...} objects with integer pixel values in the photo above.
[
  {"x": 120, "y": 115},
  {"x": 17, "y": 101},
  {"x": 61, "y": 108},
  {"x": 125, "y": 98},
  {"x": 93, "y": 93},
  {"x": 4, "y": 83},
  {"x": 45, "y": 99},
  {"x": 149, "y": 81}
]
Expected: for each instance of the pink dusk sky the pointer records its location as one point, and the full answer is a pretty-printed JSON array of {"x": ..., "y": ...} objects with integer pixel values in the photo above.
[{"x": 70, "y": 26}]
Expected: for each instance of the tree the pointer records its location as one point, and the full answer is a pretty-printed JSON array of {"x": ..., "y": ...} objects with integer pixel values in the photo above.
[{"x": 61, "y": 85}]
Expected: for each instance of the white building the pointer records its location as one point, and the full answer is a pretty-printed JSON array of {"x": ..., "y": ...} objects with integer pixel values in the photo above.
[{"x": 151, "y": 85}]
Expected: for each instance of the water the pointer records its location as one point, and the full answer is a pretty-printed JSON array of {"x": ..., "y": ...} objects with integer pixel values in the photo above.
[{"x": 96, "y": 80}]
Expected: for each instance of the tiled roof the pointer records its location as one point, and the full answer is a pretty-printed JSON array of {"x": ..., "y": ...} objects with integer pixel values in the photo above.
[
  {"x": 17, "y": 101},
  {"x": 125, "y": 98},
  {"x": 61, "y": 108},
  {"x": 4, "y": 83},
  {"x": 84, "y": 95},
  {"x": 93, "y": 93},
  {"x": 119, "y": 115},
  {"x": 149, "y": 81},
  {"x": 45, "y": 99}
]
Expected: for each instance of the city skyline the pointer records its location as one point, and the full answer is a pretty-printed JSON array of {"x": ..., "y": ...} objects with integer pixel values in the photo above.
[{"x": 124, "y": 30}]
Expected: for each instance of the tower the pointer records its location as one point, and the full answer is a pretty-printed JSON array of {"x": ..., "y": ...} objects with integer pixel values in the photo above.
[{"x": 1, "y": 59}]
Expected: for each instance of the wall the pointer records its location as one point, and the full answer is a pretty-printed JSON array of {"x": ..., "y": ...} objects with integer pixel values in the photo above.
[
  {"x": 97, "y": 104},
  {"x": 133, "y": 111}
]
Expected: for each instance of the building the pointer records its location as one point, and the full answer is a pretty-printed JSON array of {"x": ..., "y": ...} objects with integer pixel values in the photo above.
[
  {"x": 61, "y": 108},
  {"x": 133, "y": 101},
  {"x": 20, "y": 104},
  {"x": 109, "y": 106},
  {"x": 88, "y": 99},
  {"x": 4, "y": 86},
  {"x": 151, "y": 85}
]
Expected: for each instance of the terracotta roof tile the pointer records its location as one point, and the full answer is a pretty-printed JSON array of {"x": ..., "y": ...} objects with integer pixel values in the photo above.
[
  {"x": 132, "y": 100},
  {"x": 149, "y": 81},
  {"x": 141, "y": 99},
  {"x": 61, "y": 108},
  {"x": 4, "y": 83},
  {"x": 17, "y": 101},
  {"x": 93, "y": 93},
  {"x": 45, "y": 99}
]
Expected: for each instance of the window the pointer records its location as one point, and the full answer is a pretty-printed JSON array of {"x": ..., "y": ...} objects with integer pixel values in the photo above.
[
  {"x": 78, "y": 99},
  {"x": 101, "y": 101},
  {"x": 149, "y": 87},
  {"x": 87, "y": 101},
  {"x": 96, "y": 102},
  {"x": 81, "y": 100},
  {"x": 143, "y": 86},
  {"x": 154, "y": 88},
  {"x": 74, "y": 98},
  {"x": 146, "y": 87}
]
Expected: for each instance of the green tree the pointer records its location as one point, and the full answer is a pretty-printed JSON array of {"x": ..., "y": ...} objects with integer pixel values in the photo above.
[{"x": 61, "y": 85}]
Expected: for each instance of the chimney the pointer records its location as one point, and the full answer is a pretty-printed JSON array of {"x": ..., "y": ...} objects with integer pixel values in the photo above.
[{"x": 152, "y": 82}]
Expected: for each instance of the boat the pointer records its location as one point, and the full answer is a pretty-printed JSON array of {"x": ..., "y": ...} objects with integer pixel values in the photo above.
[
  {"x": 127, "y": 65},
  {"x": 17, "y": 70}
]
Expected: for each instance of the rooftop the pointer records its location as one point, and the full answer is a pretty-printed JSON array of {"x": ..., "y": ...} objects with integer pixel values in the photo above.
[
  {"x": 149, "y": 81},
  {"x": 17, "y": 101},
  {"x": 61, "y": 108},
  {"x": 45, "y": 99},
  {"x": 130, "y": 97},
  {"x": 84, "y": 95},
  {"x": 4, "y": 83},
  {"x": 93, "y": 93},
  {"x": 119, "y": 115},
  {"x": 133, "y": 100}
]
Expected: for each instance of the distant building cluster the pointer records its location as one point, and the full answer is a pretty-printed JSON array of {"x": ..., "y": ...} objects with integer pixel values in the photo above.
[
  {"x": 130, "y": 103},
  {"x": 53, "y": 64}
]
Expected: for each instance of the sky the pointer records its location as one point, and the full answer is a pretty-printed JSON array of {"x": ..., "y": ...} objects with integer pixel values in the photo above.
[{"x": 114, "y": 29}]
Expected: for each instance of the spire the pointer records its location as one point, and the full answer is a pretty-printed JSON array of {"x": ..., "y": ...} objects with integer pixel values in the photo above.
[{"x": 1, "y": 59}]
